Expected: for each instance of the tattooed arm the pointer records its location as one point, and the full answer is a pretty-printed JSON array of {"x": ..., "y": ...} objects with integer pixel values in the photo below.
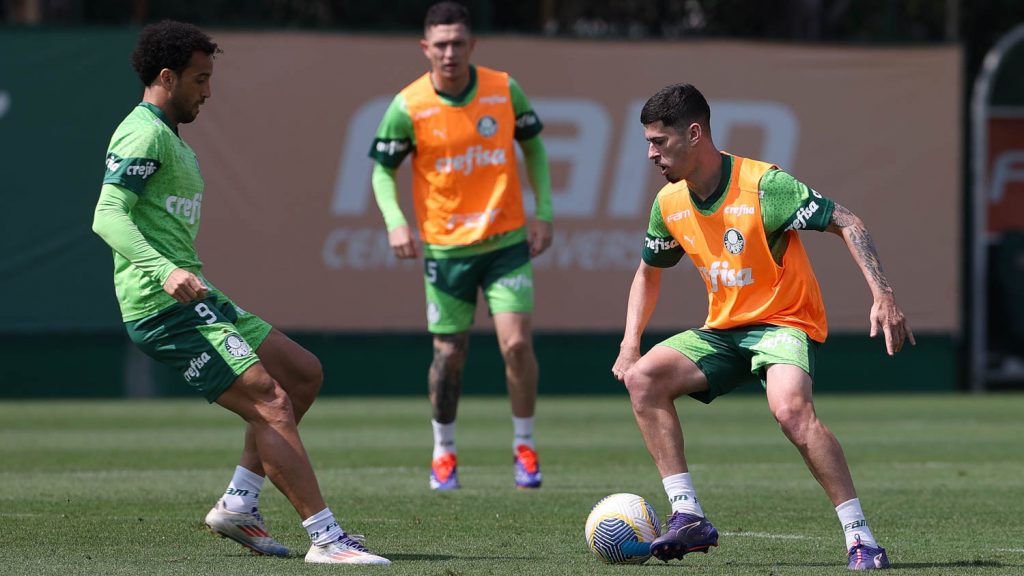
[{"x": 885, "y": 314}]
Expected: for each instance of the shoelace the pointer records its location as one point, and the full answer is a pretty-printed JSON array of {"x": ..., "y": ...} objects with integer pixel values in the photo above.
[{"x": 354, "y": 541}]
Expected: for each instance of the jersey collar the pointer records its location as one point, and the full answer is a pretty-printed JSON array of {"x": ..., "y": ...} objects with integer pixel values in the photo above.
[
  {"x": 159, "y": 114},
  {"x": 723, "y": 185},
  {"x": 461, "y": 99}
]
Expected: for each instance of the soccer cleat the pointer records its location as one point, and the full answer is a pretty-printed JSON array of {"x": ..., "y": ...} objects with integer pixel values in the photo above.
[
  {"x": 686, "y": 533},
  {"x": 527, "y": 468},
  {"x": 246, "y": 529},
  {"x": 444, "y": 473},
  {"x": 348, "y": 549},
  {"x": 864, "y": 557}
]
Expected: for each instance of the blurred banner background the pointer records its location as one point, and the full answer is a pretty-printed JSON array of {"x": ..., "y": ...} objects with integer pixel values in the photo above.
[{"x": 291, "y": 230}]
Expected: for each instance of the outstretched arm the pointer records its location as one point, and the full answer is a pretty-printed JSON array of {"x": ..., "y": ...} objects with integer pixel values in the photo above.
[
  {"x": 885, "y": 314},
  {"x": 643, "y": 297}
]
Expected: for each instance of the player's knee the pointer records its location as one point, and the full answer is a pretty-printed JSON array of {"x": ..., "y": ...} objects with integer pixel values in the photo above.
[
  {"x": 516, "y": 350},
  {"x": 640, "y": 385},
  {"x": 796, "y": 420},
  {"x": 270, "y": 402}
]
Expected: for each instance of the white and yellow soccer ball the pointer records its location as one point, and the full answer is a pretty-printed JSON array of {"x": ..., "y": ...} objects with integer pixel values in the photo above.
[{"x": 620, "y": 529}]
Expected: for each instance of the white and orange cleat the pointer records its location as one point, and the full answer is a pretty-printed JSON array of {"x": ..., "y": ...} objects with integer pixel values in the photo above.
[
  {"x": 348, "y": 549},
  {"x": 246, "y": 529}
]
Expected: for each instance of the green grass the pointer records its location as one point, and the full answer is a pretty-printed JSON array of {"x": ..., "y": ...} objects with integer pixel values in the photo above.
[{"x": 120, "y": 487}]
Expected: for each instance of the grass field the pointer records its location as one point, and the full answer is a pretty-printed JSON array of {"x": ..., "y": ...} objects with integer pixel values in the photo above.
[{"x": 120, "y": 487}]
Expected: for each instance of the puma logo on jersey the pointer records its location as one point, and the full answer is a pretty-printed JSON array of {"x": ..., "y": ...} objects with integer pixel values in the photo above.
[
  {"x": 719, "y": 274},
  {"x": 474, "y": 157}
]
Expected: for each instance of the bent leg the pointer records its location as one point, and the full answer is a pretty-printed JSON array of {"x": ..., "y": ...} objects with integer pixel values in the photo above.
[
  {"x": 265, "y": 406},
  {"x": 654, "y": 382},
  {"x": 515, "y": 339},
  {"x": 298, "y": 372},
  {"x": 789, "y": 398}
]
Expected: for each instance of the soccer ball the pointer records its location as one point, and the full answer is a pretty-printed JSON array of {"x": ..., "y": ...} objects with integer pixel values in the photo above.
[{"x": 620, "y": 529}]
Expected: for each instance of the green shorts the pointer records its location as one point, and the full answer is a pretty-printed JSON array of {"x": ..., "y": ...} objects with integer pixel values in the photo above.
[
  {"x": 210, "y": 341},
  {"x": 505, "y": 276},
  {"x": 731, "y": 358}
]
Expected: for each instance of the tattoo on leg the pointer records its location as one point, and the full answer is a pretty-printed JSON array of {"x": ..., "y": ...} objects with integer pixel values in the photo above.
[{"x": 445, "y": 376}]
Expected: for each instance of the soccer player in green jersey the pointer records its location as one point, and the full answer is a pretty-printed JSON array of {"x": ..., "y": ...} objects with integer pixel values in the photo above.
[
  {"x": 738, "y": 220},
  {"x": 460, "y": 123},
  {"x": 148, "y": 212}
]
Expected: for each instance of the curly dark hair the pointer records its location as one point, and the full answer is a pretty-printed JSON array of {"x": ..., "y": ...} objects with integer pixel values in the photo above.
[
  {"x": 677, "y": 106},
  {"x": 168, "y": 44},
  {"x": 446, "y": 13}
]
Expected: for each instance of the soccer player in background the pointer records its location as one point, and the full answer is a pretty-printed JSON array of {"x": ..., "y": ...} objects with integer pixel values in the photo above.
[
  {"x": 460, "y": 123},
  {"x": 149, "y": 212},
  {"x": 738, "y": 219}
]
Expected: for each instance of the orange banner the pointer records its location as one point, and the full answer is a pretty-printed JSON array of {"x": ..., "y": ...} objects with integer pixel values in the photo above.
[{"x": 291, "y": 230}]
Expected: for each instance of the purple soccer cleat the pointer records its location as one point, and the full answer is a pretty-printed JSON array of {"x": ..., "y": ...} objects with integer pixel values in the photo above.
[
  {"x": 864, "y": 557},
  {"x": 686, "y": 533}
]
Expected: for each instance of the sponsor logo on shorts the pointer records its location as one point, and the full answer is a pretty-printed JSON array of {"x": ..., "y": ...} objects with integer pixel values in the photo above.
[
  {"x": 433, "y": 313},
  {"x": 734, "y": 241},
  {"x": 780, "y": 340},
  {"x": 719, "y": 274},
  {"x": 237, "y": 346},
  {"x": 195, "y": 366},
  {"x": 487, "y": 126},
  {"x": 516, "y": 283}
]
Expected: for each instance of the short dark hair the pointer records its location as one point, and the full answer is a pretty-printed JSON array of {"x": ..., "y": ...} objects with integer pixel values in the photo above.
[
  {"x": 446, "y": 13},
  {"x": 677, "y": 106},
  {"x": 168, "y": 44}
]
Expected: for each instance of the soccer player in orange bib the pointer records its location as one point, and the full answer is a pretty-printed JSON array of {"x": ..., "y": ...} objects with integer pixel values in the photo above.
[
  {"x": 738, "y": 220},
  {"x": 460, "y": 123}
]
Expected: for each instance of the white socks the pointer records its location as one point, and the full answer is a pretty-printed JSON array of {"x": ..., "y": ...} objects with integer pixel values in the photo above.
[
  {"x": 854, "y": 524},
  {"x": 243, "y": 492},
  {"x": 444, "y": 438},
  {"x": 322, "y": 527},
  {"x": 523, "y": 432},
  {"x": 681, "y": 494},
  {"x": 444, "y": 435}
]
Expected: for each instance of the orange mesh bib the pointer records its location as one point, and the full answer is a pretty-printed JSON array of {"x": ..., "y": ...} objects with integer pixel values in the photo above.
[
  {"x": 465, "y": 178},
  {"x": 730, "y": 250}
]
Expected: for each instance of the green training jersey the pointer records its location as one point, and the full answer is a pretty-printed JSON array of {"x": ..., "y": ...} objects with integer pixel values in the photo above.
[
  {"x": 147, "y": 157},
  {"x": 786, "y": 204}
]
